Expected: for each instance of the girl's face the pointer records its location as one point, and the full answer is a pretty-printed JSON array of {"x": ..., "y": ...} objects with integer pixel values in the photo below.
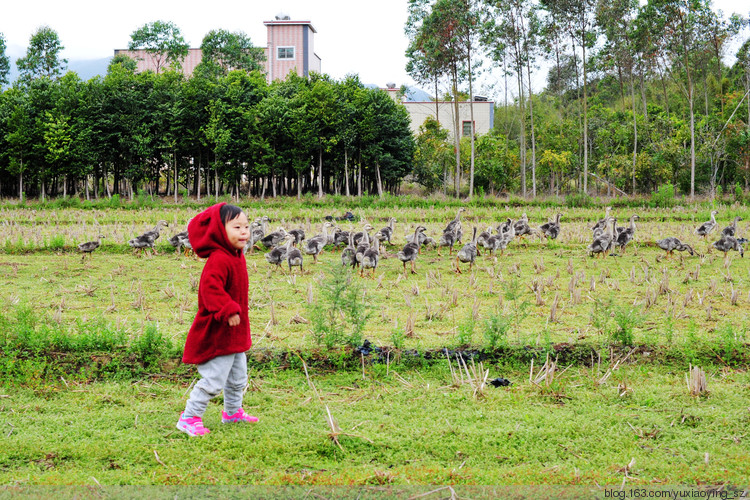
[{"x": 238, "y": 231}]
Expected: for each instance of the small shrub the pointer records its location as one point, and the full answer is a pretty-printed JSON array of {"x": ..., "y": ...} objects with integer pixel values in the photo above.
[
  {"x": 626, "y": 320},
  {"x": 150, "y": 346},
  {"x": 739, "y": 196},
  {"x": 465, "y": 332},
  {"x": 56, "y": 242},
  {"x": 339, "y": 315},
  {"x": 496, "y": 330},
  {"x": 663, "y": 197},
  {"x": 581, "y": 200}
]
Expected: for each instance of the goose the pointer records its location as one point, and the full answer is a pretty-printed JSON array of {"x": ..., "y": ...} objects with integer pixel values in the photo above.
[
  {"x": 277, "y": 254},
  {"x": 181, "y": 241},
  {"x": 256, "y": 234},
  {"x": 456, "y": 223},
  {"x": 551, "y": 229},
  {"x": 143, "y": 242},
  {"x": 365, "y": 230},
  {"x": 156, "y": 231},
  {"x": 603, "y": 243},
  {"x": 273, "y": 239},
  {"x": 671, "y": 244},
  {"x": 448, "y": 239},
  {"x": 89, "y": 247},
  {"x": 340, "y": 237},
  {"x": 371, "y": 258},
  {"x": 348, "y": 256},
  {"x": 501, "y": 240},
  {"x": 731, "y": 229},
  {"x": 601, "y": 224},
  {"x": 363, "y": 246},
  {"x": 299, "y": 235},
  {"x": 483, "y": 237},
  {"x": 468, "y": 253},
  {"x": 293, "y": 256},
  {"x": 411, "y": 250},
  {"x": 727, "y": 243},
  {"x": 423, "y": 239},
  {"x": 386, "y": 233},
  {"x": 705, "y": 229},
  {"x": 147, "y": 239},
  {"x": 624, "y": 235},
  {"x": 314, "y": 246},
  {"x": 521, "y": 226}
]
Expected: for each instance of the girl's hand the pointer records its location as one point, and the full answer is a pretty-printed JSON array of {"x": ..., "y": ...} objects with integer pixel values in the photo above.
[{"x": 234, "y": 320}]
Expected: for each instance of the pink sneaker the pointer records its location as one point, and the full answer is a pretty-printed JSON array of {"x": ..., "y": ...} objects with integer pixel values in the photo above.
[
  {"x": 240, "y": 416},
  {"x": 192, "y": 426}
]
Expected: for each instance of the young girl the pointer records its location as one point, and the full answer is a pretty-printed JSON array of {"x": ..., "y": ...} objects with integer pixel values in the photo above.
[{"x": 220, "y": 333}]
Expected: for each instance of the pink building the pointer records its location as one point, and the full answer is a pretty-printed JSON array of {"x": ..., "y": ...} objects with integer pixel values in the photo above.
[{"x": 289, "y": 47}]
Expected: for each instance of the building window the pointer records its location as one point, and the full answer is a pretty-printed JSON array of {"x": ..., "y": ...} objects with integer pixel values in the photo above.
[
  {"x": 285, "y": 53},
  {"x": 467, "y": 129}
]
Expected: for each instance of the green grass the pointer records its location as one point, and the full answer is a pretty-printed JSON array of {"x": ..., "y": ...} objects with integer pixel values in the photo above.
[
  {"x": 412, "y": 428},
  {"x": 91, "y": 386}
]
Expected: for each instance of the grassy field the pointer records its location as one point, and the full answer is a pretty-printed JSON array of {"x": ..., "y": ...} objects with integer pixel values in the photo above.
[
  {"x": 640, "y": 427},
  {"x": 537, "y": 293},
  {"x": 399, "y": 420}
]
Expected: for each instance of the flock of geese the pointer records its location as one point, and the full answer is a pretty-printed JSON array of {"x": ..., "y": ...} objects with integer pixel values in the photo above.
[{"x": 363, "y": 250}]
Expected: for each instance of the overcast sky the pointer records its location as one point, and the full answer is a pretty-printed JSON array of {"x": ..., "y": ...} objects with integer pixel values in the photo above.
[{"x": 364, "y": 37}]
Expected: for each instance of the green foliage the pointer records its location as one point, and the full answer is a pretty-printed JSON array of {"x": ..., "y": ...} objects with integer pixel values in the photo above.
[
  {"x": 739, "y": 195},
  {"x": 465, "y": 331},
  {"x": 340, "y": 313},
  {"x": 626, "y": 319},
  {"x": 150, "y": 346},
  {"x": 496, "y": 330},
  {"x": 663, "y": 197},
  {"x": 579, "y": 200}
]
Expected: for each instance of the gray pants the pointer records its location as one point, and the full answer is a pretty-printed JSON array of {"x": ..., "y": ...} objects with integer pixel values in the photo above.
[{"x": 223, "y": 372}]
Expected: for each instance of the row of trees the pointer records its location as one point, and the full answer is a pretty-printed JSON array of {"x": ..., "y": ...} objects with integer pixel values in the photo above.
[
  {"x": 224, "y": 130},
  {"x": 637, "y": 93}
]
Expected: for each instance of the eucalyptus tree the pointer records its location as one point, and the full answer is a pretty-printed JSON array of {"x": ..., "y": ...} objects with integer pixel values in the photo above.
[
  {"x": 442, "y": 39},
  {"x": 511, "y": 29},
  {"x": 678, "y": 25},
  {"x": 577, "y": 16},
  {"x": 42, "y": 56},
  {"x": 422, "y": 68},
  {"x": 616, "y": 17},
  {"x": 162, "y": 41},
  {"x": 4, "y": 62},
  {"x": 226, "y": 51}
]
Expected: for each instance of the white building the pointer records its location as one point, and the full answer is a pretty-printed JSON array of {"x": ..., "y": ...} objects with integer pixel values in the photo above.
[{"x": 444, "y": 112}]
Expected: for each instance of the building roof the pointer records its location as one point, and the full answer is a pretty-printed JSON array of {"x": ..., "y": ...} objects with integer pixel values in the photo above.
[{"x": 291, "y": 23}]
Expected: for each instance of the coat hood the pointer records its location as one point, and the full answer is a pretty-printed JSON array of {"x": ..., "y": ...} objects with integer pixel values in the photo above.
[{"x": 207, "y": 233}]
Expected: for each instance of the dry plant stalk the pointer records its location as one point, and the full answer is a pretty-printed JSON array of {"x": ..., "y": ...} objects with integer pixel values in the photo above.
[
  {"x": 614, "y": 367},
  {"x": 696, "y": 381},
  {"x": 546, "y": 373},
  {"x": 332, "y": 423},
  {"x": 553, "y": 310}
]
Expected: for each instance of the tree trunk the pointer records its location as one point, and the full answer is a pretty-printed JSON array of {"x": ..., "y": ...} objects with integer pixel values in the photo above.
[
  {"x": 320, "y": 172},
  {"x": 635, "y": 131},
  {"x": 174, "y": 158},
  {"x": 585, "y": 122},
  {"x": 380, "y": 182},
  {"x": 346, "y": 171},
  {"x": 533, "y": 135},
  {"x": 471, "y": 114},
  {"x": 457, "y": 133},
  {"x": 299, "y": 187}
]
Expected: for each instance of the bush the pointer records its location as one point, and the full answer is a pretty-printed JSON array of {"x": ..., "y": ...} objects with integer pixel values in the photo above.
[
  {"x": 496, "y": 330},
  {"x": 581, "y": 200},
  {"x": 663, "y": 197},
  {"x": 340, "y": 314},
  {"x": 739, "y": 196}
]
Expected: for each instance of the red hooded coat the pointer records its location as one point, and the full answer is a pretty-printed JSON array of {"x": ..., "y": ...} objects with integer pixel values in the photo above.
[{"x": 223, "y": 292}]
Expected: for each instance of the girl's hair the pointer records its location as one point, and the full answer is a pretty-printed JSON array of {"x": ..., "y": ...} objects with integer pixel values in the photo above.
[{"x": 229, "y": 212}]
